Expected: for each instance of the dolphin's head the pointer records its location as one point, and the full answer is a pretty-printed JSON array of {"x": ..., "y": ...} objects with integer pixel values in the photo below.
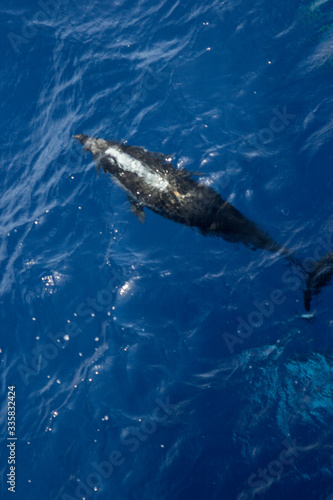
[
  {"x": 95, "y": 146},
  {"x": 81, "y": 138}
]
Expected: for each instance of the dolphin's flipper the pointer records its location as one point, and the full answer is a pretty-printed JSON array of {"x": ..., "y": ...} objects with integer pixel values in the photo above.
[
  {"x": 137, "y": 209},
  {"x": 319, "y": 277},
  {"x": 187, "y": 174},
  {"x": 163, "y": 157}
]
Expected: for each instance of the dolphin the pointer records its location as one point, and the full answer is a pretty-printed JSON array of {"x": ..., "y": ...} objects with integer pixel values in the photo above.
[
  {"x": 318, "y": 277},
  {"x": 151, "y": 181}
]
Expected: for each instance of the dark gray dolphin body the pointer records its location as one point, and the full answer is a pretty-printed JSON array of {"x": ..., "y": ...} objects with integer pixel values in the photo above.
[{"x": 151, "y": 181}]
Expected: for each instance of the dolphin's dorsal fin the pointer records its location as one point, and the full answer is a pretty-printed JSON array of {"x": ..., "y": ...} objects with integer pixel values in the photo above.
[{"x": 137, "y": 209}]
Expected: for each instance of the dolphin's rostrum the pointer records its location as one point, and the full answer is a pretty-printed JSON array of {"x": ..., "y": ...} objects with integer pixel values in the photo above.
[{"x": 151, "y": 181}]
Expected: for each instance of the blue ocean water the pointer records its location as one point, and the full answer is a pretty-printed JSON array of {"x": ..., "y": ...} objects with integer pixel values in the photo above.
[{"x": 150, "y": 361}]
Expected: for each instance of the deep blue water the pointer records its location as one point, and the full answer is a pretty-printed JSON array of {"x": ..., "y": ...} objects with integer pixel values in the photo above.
[{"x": 149, "y": 361}]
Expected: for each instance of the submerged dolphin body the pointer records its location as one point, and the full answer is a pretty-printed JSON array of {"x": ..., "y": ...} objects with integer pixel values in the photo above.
[
  {"x": 151, "y": 181},
  {"x": 318, "y": 277}
]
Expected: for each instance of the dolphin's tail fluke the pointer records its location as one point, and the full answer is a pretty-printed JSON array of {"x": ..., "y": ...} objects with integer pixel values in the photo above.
[{"x": 318, "y": 277}]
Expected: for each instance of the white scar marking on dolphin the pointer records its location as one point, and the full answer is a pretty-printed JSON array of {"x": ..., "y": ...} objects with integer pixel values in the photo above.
[{"x": 126, "y": 162}]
